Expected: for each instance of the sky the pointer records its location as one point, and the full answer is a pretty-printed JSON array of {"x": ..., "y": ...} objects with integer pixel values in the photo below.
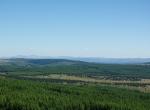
[{"x": 79, "y": 28}]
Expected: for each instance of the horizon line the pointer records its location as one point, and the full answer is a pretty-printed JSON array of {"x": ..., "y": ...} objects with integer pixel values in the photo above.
[{"x": 49, "y": 57}]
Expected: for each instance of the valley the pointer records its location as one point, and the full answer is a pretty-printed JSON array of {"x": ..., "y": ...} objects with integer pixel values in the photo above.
[{"x": 59, "y": 84}]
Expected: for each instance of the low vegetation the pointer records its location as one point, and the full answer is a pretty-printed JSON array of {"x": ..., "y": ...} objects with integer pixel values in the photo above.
[{"x": 31, "y": 95}]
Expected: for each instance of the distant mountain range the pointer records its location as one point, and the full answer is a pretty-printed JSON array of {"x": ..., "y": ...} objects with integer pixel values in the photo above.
[
  {"x": 147, "y": 63},
  {"x": 92, "y": 59},
  {"x": 114, "y": 60}
]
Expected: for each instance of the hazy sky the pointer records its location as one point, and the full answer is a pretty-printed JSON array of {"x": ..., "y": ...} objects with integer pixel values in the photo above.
[{"x": 101, "y": 28}]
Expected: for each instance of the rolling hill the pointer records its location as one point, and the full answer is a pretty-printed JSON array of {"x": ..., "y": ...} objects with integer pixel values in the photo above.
[{"x": 62, "y": 66}]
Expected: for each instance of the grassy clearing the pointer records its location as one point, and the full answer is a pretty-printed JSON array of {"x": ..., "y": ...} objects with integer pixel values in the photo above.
[
  {"x": 88, "y": 79},
  {"x": 142, "y": 85}
]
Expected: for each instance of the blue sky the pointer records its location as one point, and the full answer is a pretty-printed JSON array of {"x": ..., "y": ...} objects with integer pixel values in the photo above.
[{"x": 96, "y": 28}]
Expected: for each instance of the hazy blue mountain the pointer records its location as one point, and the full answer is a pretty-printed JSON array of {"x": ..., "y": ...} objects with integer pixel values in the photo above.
[
  {"x": 92, "y": 59},
  {"x": 148, "y": 63},
  {"x": 111, "y": 60}
]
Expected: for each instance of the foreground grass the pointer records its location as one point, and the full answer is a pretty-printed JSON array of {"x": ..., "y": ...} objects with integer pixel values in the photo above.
[{"x": 31, "y": 95}]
